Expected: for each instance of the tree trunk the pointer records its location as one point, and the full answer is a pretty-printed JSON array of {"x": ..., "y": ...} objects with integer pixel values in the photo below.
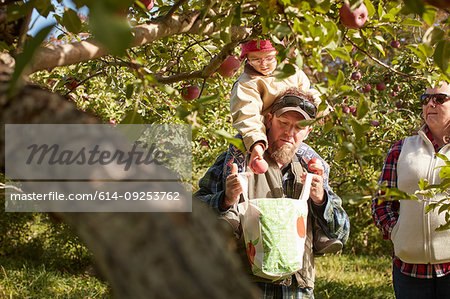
[{"x": 142, "y": 255}]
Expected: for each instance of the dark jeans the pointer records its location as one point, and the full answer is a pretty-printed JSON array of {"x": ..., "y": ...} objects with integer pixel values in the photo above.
[{"x": 407, "y": 287}]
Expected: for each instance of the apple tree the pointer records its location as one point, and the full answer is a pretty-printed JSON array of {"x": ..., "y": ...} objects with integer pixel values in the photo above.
[{"x": 172, "y": 62}]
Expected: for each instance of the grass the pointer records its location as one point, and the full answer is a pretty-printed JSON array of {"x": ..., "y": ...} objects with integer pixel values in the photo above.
[
  {"x": 350, "y": 276},
  {"x": 26, "y": 279},
  {"x": 39, "y": 259}
]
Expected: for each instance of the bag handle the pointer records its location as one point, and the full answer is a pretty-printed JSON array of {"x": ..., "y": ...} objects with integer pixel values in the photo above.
[{"x": 306, "y": 187}]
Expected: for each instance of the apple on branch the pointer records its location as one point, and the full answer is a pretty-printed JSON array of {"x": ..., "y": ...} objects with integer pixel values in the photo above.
[
  {"x": 356, "y": 76},
  {"x": 367, "y": 88},
  {"x": 229, "y": 67},
  {"x": 353, "y": 19},
  {"x": 190, "y": 92},
  {"x": 380, "y": 86},
  {"x": 147, "y": 3}
]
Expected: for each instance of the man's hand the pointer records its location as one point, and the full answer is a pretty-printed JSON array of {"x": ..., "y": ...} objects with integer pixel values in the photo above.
[
  {"x": 233, "y": 188},
  {"x": 317, "y": 193}
]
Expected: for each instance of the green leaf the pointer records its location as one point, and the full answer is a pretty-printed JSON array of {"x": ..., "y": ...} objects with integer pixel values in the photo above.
[
  {"x": 442, "y": 54},
  {"x": 363, "y": 108},
  {"x": 132, "y": 117},
  {"x": 441, "y": 156},
  {"x": 228, "y": 137},
  {"x": 358, "y": 129},
  {"x": 432, "y": 36},
  {"x": 44, "y": 7},
  {"x": 354, "y": 4},
  {"x": 380, "y": 10},
  {"x": 389, "y": 29},
  {"x": 396, "y": 194},
  {"x": 305, "y": 123},
  {"x": 17, "y": 11},
  {"x": 379, "y": 48},
  {"x": 208, "y": 99},
  {"x": 129, "y": 90},
  {"x": 284, "y": 71},
  {"x": 340, "y": 79},
  {"x": 26, "y": 57},
  {"x": 341, "y": 154},
  {"x": 415, "y": 6},
  {"x": 71, "y": 21},
  {"x": 328, "y": 127},
  {"x": 423, "y": 184},
  {"x": 429, "y": 15},
  {"x": 370, "y": 8},
  {"x": 411, "y": 22},
  {"x": 415, "y": 49},
  {"x": 339, "y": 52},
  {"x": 108, "y": 29},
  {"x": 237, "y": 15}
]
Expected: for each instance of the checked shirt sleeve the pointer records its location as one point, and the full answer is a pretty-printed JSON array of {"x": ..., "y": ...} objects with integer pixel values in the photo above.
[
  {"x": 212, "y": 188},
  {"x": 332, "y": 218},
  {"x": 385, "y": 213}
]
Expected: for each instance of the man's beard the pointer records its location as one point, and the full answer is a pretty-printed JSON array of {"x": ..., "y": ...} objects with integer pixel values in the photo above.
[{"x": 283, "y": 154}]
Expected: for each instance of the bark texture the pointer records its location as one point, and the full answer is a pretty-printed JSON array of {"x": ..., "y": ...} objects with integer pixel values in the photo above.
[
  {"x": 143, "y": 255},
  {"x": 52, "y": 56}
]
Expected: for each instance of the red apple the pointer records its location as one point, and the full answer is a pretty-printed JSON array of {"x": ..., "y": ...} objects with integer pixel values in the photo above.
[
  {"x": 355, "y": 63},
  {"x": 314, "y": 165},
  {"x": 356, "y": 76},
  {"x": 204, "y": 142},
  {"x": 375, "y": 123},
  {"x": 393, "y": 94},
  {"x": 259, "y": 166},
  {"x": 353, "y": 110},
  {"x": 148, "y": 3},
  {"x": 367, "y": 88},
  {"x": 229, "y": 67},
  {"x": 380, "y": 86},
  {"x": 112, "y": 121},
  {"x": 346, "y": 109},
  {"x": 190, "y": 92},
  {"x": 395, "y": 44},
  {"x": 353, "y": 19},
  {"x": 71, "y": 84}
]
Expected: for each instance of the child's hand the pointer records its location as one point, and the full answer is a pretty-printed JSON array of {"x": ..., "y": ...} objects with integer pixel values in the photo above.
[{"x": 257, "y": 163}]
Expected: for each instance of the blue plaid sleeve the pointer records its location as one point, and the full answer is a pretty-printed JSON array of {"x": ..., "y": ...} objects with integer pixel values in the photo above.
[
  {"x": 335, "y": 220},
  {"x": 212, "y": 187}
]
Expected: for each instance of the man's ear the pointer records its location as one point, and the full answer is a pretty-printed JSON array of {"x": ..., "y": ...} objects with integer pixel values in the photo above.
[
  {"x": 307, "y": 134},
  {"x": 268, "y": 120}
]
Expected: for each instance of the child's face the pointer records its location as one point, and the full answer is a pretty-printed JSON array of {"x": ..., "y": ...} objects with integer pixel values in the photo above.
[{"x": 263, "y": 62}]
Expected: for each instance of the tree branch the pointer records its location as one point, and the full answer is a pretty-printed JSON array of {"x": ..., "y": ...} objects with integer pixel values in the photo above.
[
  {"x": 381, "y": 62},
  {"x": 52, "y": 56}
]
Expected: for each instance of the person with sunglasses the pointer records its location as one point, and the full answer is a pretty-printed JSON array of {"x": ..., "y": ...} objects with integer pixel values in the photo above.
[
  {"x": 421, "y": 255},
  {"x": 287, "y": 156}
]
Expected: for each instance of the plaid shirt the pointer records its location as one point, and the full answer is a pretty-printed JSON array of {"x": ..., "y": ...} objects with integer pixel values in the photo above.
[{"x": 385, "y": 214}]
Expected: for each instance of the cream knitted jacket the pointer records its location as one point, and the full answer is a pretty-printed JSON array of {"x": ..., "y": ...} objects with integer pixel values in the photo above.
[{"x": 414, "y": 236}]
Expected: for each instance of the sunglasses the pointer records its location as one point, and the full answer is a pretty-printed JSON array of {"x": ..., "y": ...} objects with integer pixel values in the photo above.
[
  {"x": 296, "y": 101},
  {"x": 437, "y": 98}
]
